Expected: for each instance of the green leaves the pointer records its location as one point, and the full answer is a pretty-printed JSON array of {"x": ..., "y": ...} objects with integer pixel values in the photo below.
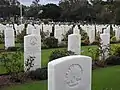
[{"x": 60, "y": 53}]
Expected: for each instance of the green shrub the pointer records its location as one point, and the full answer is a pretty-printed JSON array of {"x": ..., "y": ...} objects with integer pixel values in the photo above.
[
  {"x": 96, "y": 42},
  {"x": 1, "y": 41},
  {"x": 101, "y": 63},
  {"x": 60, "y": 53},
  {"x": 12, "y": 62},
  {"x": 13, "y": 65},
  {"x": 84, "y": 35},
  {"x": 1, "y": 38},
  {"x": 12, "y": 48},
  {"x": 94, "y": 53},
  {"x": 113, "y": 60},
  {"x": 42, "y": 33},
  {"x": 102, "y": 51},
  {"x": 115, "y": 50},
  {"x": 85, "y": 42},
  {"x": 62, "y": 44},
  {"x": 44, "y": 46},
  {"x": 113, "y": 39},
  {"x": 51, "y": 42},
  {"x": 38, "y": 74}
]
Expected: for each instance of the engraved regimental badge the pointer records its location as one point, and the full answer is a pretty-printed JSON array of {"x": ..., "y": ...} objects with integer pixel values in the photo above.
[
  {"x": 33, "y": 41},
  {"x": 74, "y": 75}
]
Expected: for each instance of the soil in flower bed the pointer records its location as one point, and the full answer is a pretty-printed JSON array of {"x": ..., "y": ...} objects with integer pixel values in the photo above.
[{"x": 4, "y": 80}]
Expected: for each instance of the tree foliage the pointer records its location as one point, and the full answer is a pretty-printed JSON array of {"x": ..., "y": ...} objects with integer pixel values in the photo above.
[{"x": 95, "y": 11}]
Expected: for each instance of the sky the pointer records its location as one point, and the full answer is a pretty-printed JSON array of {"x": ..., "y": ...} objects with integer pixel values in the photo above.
[{"x": 28, "y": 2}]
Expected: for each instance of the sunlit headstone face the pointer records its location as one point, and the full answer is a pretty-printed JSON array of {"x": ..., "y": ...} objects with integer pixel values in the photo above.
[
  {"x": 58, "y": 33},
  {"x": 32, "y": 51},
  {"x": 9, "y": 37},
  {"x": 74, "y": 43},
  {"x": 70, "y": 73}
]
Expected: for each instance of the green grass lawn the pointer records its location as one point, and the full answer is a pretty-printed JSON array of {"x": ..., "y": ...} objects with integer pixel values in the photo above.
[
  {"x": 102, "y": 79},
  {"x": 1, "y": 46},
  {"x": 46, "y": 53},
  {"x": 106, "y": 78}
]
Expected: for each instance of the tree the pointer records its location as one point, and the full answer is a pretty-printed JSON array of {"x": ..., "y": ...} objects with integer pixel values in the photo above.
[
  {"x": 51, "y": 11},
  {"x": 33, "y": 11},
  {"x": 36, "y": 2},
  {"x": 14, "y": 2},
  {"x": 9, "y": 8},
  {"x": 77, "y": 10}
]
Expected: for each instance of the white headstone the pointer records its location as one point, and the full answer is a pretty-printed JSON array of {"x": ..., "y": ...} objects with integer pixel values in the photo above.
[
  {"x": 74, "y": 43},
  {"x": 15, "y": 25},
  {"x": 105, "y": 41},
  {"x": 70, "y": 73},
  {"x": 9, "y": 37},
  {"x": 107, "y": 30},
  {"x": 2, "y": 28},
  {"x": 36, "y": 31},
  {"x": 67, "y": 28},
  {"x": 30, "y": 29},
  {"x": 117, "y": 34},
  {"x": 76, "y": 30},
  {"x": 32, "y": 50},
  {"x": 91, "y": 34},
  {"x": 58, "y": 33},
  {"x": 47, "y": 28},
  {"x": 20, "y": 28},
  {"x": 38, "y": 27}
]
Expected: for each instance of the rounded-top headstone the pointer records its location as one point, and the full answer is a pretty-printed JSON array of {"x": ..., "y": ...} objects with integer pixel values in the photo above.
[
  {"x": 74, "y": 43},
  {"x": 30, "y": 29},
  {"x": 9, "y": 37},
  {"x": 70, "y": 73},
  {"x": 32, "y": 51}
]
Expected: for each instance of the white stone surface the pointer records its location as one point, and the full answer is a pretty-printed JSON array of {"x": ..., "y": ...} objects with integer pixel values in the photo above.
[
  {"x": 67, "y": 28},
  {"x": 9, "y": 37},
  {"x": 20, "y": 28},
  {"x": 47, "y": 28},
  {"x": 70, "y": 73},
  {"x": 38, "y": 27},
  {"x": 2, "y": 28},
  {"x": 36, "y": 32},
  {"x": 74, "y": 43},
  {"x": 107, "y": 30},
  {"x": 91, "y": 34},
  {"x": 76, "y": 30},
  {"x": 15, "y": 25},
  {"x": 105, "y": 42},
  {"x": 117, "y": 33},
  {"x": 32, "y": 48},
  {"x": 58, "y": 33},
  {"x": 30, "y": 29}
]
